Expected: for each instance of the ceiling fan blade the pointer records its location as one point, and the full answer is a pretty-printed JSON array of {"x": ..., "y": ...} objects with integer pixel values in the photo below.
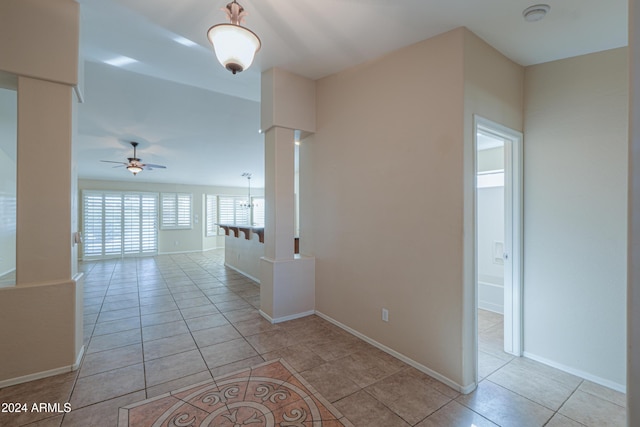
[{"x": 135, "y": 162}]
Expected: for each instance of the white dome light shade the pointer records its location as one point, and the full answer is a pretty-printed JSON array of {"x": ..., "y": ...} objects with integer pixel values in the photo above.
[
  {"x": 235, "y": 46},
  {"x": 134, "y": 169}
]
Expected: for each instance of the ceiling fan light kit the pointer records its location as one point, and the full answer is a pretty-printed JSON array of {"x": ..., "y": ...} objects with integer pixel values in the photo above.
[
  {"x": 134, "y": 164},
  {"x": 134, "y": 169},
  {"x": 235, "y": 46}
]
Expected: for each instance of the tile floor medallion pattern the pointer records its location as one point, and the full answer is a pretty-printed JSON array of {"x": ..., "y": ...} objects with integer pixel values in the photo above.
[{"x": 269, "y": 394}]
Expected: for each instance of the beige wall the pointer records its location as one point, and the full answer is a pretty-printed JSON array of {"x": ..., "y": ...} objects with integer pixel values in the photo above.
[
  {"x": 44, "y": 250},
  {"x": 576, "y": 136},
  {"x": 386, "y": 166},
  {"x": 492, "y": 90},
  {"x": 40, "y": 39},
  {"x": 391, "y": 162},
  {"x": 41, "y": 334},
  {"x": 188, "y": 240}
]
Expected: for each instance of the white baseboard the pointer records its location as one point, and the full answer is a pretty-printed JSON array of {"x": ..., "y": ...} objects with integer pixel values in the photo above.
[
  {"x": 44, "y": 374},
  {"x": 286, "y": 318},
  {"x": 577, "y": 372},
  {"x": 494, "y": 308},
  {"x": 76, "y": 365},
  {"x": 462, "y": 389},
  {"x": 255, "y": 279},
  {"x": 194, "y": 251},
  {"x": 213, "y": 249},
  {"x": 181, "y": 252},
  {"x": 491, "y": 296},
  {"x": 266, "y": 316},
  {"x": 81, "y": 258}
]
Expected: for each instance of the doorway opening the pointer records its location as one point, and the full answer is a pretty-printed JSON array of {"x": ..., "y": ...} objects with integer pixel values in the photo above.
[{"x": 498, "y": 242}]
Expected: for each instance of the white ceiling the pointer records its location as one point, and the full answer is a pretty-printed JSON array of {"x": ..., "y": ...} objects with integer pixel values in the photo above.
[{"x": 192, "y": 115}]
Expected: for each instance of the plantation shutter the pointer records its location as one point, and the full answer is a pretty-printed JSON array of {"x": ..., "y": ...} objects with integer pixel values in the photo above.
[
  {"x": 242, "y": 213},
  {"x": 112, "y": 243},
  {"x": 149, "y": 221},
  {"x": 184, "y": 210},
  {"x": 93, "y": 234},
  {"x": 258, "y": 211},
  {"x": 132, "y": 224},
  {"x": 226, "y": 210},
  {"x": 176, "y": 210},
  {"x": 211, "y": 212},
  {"x": 116, "y": 224}
]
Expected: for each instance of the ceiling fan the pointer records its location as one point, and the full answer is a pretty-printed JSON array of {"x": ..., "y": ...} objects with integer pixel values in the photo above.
[{"x": 135, "y": 165}]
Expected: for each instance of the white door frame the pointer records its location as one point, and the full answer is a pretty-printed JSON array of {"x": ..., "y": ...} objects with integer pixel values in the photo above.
[{"x": 513, "y": 218}]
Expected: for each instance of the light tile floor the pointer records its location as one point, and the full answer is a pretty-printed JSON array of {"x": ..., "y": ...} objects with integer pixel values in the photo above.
[{"x": 153, "y": 325}]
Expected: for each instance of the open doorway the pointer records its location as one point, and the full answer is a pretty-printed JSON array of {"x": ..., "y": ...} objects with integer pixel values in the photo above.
[{"x": 498, "y": 220}]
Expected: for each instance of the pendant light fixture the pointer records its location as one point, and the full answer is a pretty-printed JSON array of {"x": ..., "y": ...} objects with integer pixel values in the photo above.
[
  {"x": 248, "y": 204},
  {"x": 235, "y": 46}
]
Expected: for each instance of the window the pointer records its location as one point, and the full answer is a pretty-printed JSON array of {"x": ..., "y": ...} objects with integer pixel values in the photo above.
[
  {"x": 230, "y": 210},
  {"x": 211, "y": 214},
  {"x": 117, "y": 223},
  {"x": 176, "y": 210},
  {"x": 258, "y": 211}
]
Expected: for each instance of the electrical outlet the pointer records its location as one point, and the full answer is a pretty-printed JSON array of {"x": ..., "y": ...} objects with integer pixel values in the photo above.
[{"x": 385, "y": 315}]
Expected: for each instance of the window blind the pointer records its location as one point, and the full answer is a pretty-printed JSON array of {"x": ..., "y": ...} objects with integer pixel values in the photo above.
[
  {"x": 258, "y": 211},
  {"x": 176, "y": 210},
  {"x": 211, "y": 214},
  {"x": 116, "y": 224},
  {"x": 230, "y": 210}
]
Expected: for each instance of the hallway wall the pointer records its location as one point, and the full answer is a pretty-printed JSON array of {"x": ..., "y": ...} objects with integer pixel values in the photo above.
[
  {"x": 576, "y": 140},
  {"x": 383, "y": 195}
]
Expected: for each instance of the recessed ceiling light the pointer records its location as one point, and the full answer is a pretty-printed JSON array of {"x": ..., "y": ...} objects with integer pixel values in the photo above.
[
  {"x": 535, "y": 12},
  {"x": 184, "y": 41},
  {"x": 120, "y": 61}
]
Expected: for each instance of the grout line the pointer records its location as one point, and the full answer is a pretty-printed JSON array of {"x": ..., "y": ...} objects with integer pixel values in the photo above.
[
  {"x": 144, "y": 365},
  {"x": 84, "y": 355}
]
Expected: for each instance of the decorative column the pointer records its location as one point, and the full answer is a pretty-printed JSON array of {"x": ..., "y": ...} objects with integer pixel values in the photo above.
[
  {"x": 42, "y": 318},
  {"x": 287, "y": 281}
]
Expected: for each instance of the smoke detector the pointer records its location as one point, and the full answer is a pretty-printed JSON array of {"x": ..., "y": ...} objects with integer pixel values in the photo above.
[{"x": 535, "y": 12}]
